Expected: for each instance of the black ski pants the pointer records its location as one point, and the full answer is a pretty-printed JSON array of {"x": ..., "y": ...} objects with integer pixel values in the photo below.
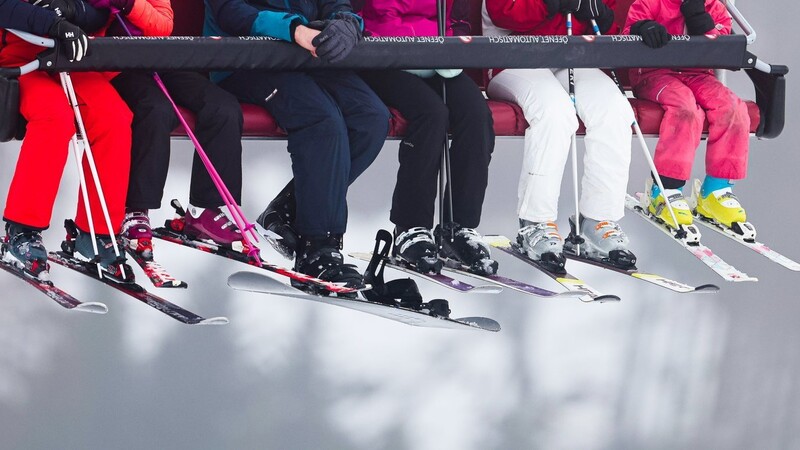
[
  {"x": 218, "y": 129},
  {"x": 336, "y": 127},
  {"x": 467, "y": 116}
]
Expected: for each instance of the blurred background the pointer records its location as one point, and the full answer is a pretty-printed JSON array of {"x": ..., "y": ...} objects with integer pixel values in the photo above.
[{"x": 658, "y": 370}]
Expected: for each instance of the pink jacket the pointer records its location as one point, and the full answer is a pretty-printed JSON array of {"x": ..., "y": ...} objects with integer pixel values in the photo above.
[
  {"x": 668, "y": 13},
  {"x": 413, "y": 17}
]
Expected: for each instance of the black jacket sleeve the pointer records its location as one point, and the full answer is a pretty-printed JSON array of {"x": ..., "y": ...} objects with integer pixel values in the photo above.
[
  {"x": 22, "y": 16},
  {"x": 89, "y": 18}
]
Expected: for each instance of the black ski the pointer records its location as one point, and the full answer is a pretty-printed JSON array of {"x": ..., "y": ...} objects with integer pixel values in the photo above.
[
  {"x": 570, "y": 282},
  {"x": 55, "y": 294},
  {"x": 134, "y": 290},
  {"x": 261, "y": 283}
]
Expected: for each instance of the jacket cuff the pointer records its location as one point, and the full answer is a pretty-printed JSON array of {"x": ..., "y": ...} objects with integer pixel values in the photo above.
[{"x": 276, "y": 24}]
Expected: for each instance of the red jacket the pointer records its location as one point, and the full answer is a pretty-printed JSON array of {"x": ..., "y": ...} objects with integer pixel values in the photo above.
[
  {"x": 668, "y": 13},
  {"x": 529, "y": 17}
]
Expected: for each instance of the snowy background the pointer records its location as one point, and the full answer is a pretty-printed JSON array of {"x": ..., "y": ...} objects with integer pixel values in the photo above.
[{"x": 658, "y": 370}]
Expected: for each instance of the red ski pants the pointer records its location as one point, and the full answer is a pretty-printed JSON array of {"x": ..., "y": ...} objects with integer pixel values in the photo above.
[
  {"x": 44, "y": 151},
  {"x": 688, "y": 98}
]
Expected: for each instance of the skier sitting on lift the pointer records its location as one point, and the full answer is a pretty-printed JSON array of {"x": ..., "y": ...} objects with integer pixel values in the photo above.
[
  {"x": 51, "y": 125},
  {"x": 689, "y": 97}
]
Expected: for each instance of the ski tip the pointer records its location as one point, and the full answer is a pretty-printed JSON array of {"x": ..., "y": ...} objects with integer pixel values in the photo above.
[
  {"x": 603, "y": 298},
  {"x": 214, "y": 321},
  {"x": 485, "y": 289},
  {"x": 482, "y": 323},
  {"x": 92, "y": 307},
  {"x": 707, "y": 288}
]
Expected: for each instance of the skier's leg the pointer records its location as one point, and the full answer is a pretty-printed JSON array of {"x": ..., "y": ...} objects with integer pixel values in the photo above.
[
  {"x": 551, "y": 117},
  {"x": 726, "y": 153},
  {"x": 366, "y": 117},
  {"x": 153, "y": 121},
  {"x": 473, "y": 142},
  {"x": 420, "y": 151},
  {"x": 219, "y": 130},
  {"x": 108, "y": 125},
  {"x": 43, "y": 154},
  {"x": 608, "y": 117}
]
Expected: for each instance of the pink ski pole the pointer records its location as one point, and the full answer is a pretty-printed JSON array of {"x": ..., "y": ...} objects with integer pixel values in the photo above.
[{"x": 236, "y": 213}]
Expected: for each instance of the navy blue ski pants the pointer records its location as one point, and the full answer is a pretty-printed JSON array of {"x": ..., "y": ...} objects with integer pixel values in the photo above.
[{"x": 336, "y": 127}]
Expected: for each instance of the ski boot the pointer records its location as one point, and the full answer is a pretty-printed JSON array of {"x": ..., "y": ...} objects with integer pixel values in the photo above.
[
  {"x": 722, "y": 208},
  {"x": 603, "y": 241},
  {"x": 656, "y": 206},
  {"x": 436, "y": 308},
  {"x": 464, "y": 247},
  {"x": 541, "y": 242},
  {"x": 417, "y": 249},
  {"x": 137, "y": 235},
  {"x": 321, "y": 258},
  {"x": 212, "y": 225},
  {"x": 22, "y": 248},
  {"x": 78, "y": 245},
  {"x": 278, "y": 218}
]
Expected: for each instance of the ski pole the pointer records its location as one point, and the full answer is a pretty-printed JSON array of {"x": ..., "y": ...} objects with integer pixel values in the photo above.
[
  {"x": 574, "y": 148},
  {"x": 80, "y": 152},
  {"x": 444, "y": 172},
  {"x": 680, "y": 232},
  {"x": 236, "y": 213}
]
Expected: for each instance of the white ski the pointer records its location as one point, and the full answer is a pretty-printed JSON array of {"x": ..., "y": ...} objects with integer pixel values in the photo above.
[{"x": 700, "y": 251}]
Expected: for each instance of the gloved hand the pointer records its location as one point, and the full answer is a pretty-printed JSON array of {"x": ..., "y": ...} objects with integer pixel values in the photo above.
[
  {"x": 698, "y": 20},
  {"x": 597, "y": 10},
  {"x": 338, "y": 37},
  {"x": 63, "y": 8},
  {"x": 653, "y": 33},
  {"x": 123, "y": 6},
  {"x": 561, "y": 6},
  {"x": 72, "y": 39}
]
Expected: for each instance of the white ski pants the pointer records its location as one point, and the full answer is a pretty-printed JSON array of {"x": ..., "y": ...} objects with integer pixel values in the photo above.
[{"x": 542, "y": 95}]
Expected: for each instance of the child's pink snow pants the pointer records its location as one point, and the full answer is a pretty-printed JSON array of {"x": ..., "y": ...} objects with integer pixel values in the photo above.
[{"x": 688, "y": 98}]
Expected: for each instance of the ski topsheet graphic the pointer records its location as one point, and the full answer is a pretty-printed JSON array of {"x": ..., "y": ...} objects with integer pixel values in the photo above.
[
  {"x": 700, "y": 251},
  {"x": 261, "y": 283},
  {"x": 136, "y": 291},
  {"x": 572, "y": 283},
  {"x": 49, "y": 289}
]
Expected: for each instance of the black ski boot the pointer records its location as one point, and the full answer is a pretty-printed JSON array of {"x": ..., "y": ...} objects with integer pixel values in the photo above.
[
  {"x": 321, "y": 258},
  {"x": 78, "y": 244},
  {"x": 417, "y": 249},
  {"x": 23, "y": 249},
  {"x": 278, "y": 218},
  {"x": 465, "y": 247}
]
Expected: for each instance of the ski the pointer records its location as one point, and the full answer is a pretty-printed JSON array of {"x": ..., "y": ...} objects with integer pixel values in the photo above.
[
  {"x": 700, "y": 251},
  {"x": 509, "y": 283},
  {"x": 438, "y": 278},
  {"x": 263, "y": 284},
  {"x": 49, "y": 289},
  {"x": 170, "y": 233},
  {"x": 157, "y": 274},
  {"x": 754, "y": 245},
  {"x": 136, "y": 291},
  {"x": 658, "y": 280},
  {"x": 571, "y": 283}
]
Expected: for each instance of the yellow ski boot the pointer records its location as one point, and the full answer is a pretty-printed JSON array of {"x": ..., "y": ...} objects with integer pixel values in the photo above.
[
  {"x": 657, "y": 207},
  {"x": 722, "y": 208}
]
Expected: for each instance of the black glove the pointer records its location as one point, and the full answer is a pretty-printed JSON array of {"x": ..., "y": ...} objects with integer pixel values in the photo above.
[
  {"x": 653, "y": 33},
  {"x": 561, "y": 6},
  {"x": 698, "y": 20},
  {"x": 338, "y": 37},
  {"x": 63, "y": 8},
  {"x": 72, "y": 39},
  {"x": 597, "y": 10}
]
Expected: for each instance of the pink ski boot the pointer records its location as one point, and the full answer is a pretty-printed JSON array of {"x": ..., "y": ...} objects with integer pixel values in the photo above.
[
  {"x": 136, "y": 233},
  {"x": 211, "y": 224}
]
